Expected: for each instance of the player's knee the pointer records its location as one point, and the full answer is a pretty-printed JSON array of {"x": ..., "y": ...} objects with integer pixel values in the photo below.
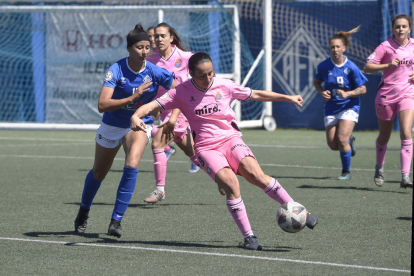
[
  {"x": 99, "y": 174},
  {"x": 333, "y": 145}
]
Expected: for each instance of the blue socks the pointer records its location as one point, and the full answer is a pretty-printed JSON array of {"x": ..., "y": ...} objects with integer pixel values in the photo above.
[
  {"x": 125, "y": 190},
  {"x": 89, "y": 190},
  {"x": 346, "y": 160}
]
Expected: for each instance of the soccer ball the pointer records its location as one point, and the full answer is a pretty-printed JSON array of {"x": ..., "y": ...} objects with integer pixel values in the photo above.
[{"x": 291, "y": 217}]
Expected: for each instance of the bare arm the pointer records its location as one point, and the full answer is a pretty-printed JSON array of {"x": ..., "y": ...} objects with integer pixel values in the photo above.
[
  {"x": 136, "y": 122},
  {"x": 326, "y": 94},
  {"x": 269, "y": 96},
  {"x": 106, "y": 103},
  {"x": 373, "y": 68},
  {"x": 353, "y": 93}
]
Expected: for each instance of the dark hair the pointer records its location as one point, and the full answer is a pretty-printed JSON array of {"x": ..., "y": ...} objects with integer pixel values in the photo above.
[
  {"x": 136, "y": 31},
  {"x": 345, "y": 36},
  {"x": 402, "y": 16},
  {"x": 197, "y": 59},
  {"x": 149, "y": 28},
  {"x": 176, "y": 39}
]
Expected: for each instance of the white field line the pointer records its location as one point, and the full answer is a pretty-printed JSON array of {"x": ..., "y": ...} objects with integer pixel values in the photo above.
[
  {"x": 176, "y": 161},
  {"x": 209, "y": 254}
]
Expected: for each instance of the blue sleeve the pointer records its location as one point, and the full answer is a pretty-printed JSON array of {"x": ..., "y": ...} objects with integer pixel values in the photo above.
[
  {"x": 165, "y": 78},
  {"x": 358, "y": 78},
  {"x": 111, "y": 77},
  {"x": 318, "y": 74}
]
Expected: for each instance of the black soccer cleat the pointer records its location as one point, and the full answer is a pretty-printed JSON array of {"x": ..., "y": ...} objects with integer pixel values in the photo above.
[
  {"x": 81, "y": 220},
  {"x": 115, "y": 228},
  {"x": 251, "y": 243},
  {"x": 311, "y": 221}
]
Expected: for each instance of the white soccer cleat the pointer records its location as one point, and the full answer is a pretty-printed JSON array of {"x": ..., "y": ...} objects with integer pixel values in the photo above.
[{"x": 379, "y": 176}]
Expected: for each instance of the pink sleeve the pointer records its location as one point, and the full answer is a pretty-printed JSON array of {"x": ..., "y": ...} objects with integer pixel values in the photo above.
[
  {"x": 168, "y": 100},
  {"x": 377, "y": 56},
  {"x": 239, "y": 92}
]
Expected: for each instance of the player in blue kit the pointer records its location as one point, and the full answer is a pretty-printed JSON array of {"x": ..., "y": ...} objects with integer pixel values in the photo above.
[
  {"x": 344, "y": 83},
  {"x": 129, "y": 83}
]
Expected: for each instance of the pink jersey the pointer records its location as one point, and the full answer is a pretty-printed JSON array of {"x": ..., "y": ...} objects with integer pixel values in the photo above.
[
  {"x": 211, "y": 118},
  {"x": 176, "y": 63},
  {"x": 395, "y": 84}
]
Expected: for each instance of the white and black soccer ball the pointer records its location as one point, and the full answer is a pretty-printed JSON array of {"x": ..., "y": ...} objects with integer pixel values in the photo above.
[{"x": 291, "y": 217}]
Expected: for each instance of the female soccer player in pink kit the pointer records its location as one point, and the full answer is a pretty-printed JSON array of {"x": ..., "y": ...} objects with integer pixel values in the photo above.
[
  {"x": 395, "y": 95},
  {"x": 220, "y": 151},
  {"x": 171, "y": 56}
]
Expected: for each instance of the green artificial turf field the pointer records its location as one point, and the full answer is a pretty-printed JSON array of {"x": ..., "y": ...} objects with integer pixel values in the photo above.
[{"x": 362, "y": 230}]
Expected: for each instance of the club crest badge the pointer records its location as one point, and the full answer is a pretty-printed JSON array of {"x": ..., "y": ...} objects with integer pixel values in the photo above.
[
  {"x": 218, "y": 96},
  {"x": 178, "y": 63},
  {"x": 109, "y": 76}
]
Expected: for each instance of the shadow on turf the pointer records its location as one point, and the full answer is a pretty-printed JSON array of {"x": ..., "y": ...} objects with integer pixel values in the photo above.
[
  {"x": 145, "y": 205},
  {"x": 99, "y": 239},
  {"x": 349, "y": 188},
  {"x": 405, "y": 218},
  {"x": 116, "y": 171},
  {"x": 301, "y": 177},
  {"x": 191, "y": 245},
  {"x": 61, "y": 234}
]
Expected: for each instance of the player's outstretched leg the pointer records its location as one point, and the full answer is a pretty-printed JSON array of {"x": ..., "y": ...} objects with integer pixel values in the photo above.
[
  {"x": 406, "y": 182},
  {"x": 238, "y": 212},
  {"x": 81, "y": 220},
  {"x": 194, "y": 168},
  {"x": 123, "y": 197},
  {"x": 90, "y": 189},
  {"x": 406, "y": 155},
  {"x": 160, "y": 172},
  {"x": 352, "y": 144},
  {"x": 278, "y": 193},
  {"x": 379, "y": 176},
  {"x": 381, "y": 152},
  {"x": 346, "y": 165},
  {"x": 115, "y": 228},
  {"x": 169, "y": 151}
]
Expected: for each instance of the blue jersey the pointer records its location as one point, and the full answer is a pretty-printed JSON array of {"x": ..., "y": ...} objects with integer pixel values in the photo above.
[
  {"x": 345, "y": 77},
  {"x": 125, "y": 82}
]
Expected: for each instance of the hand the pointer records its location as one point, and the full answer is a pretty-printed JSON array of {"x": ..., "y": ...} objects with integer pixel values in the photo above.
[
  {"x": 141, "y": 90},
  {"x": 137, "y": 124},
  {"x": 326, "y": 95},
  {"x": 394, "y": 62},
  {"x": 411, "y": 76},
  {"x": 296, "y": 99},
  {"x": 342, "y": 94},
  {"x": 167, "y": 130}
]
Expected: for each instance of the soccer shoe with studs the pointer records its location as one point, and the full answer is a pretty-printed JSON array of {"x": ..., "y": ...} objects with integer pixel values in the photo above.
[
  {"x": 251, "y": 243},
  {"x": 352, "y": 144},
  {"x": 406, "y": 182},
  {"x": 194, "y": 168},
  {"x": 115, "y": 228},
  {"x": 170, "y": 152},
  {"x": 311, "y": 221},
  {"x": 81, "y": 220},
  {"x": 345, "y": 176},
  {"x": 379, "y": 176},
  {"x": 155, "y": 196}
]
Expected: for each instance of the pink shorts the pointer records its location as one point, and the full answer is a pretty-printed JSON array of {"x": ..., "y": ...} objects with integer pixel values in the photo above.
[
  {"x": 388, "y": 112},
  {"x": 228, "y": 155},
  {"x": 181, "y": 126}
]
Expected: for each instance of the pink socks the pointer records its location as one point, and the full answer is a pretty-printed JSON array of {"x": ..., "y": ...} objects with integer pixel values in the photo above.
[
  {"x": 160, "y": 166},
  {"x": 406, "y": 155},
  {"x": 276, "y": 191},
  {"x": 238, "y": 211}
]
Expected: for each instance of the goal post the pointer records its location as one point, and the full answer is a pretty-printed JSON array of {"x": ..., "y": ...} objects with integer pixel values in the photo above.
[{"x": 55, "y": 82}]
